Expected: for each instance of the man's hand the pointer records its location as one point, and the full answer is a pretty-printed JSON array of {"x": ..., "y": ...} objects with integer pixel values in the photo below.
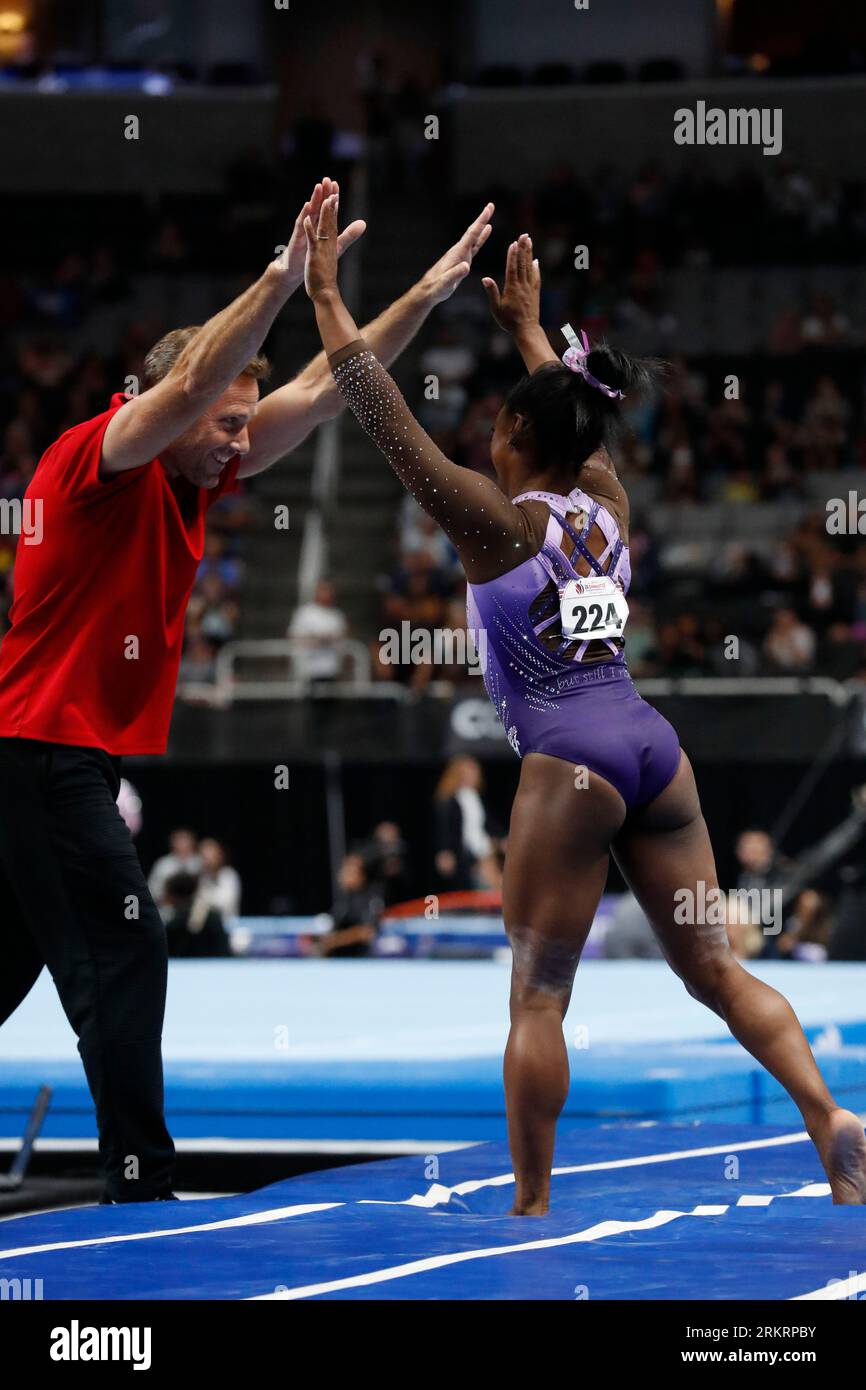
[
  {"x": 517, "y": 307},
  {"x": 291, "y": 261},
  {"x": 442, "y": 279}
]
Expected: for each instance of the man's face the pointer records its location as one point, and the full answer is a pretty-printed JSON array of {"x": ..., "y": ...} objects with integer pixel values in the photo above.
[{"x": 202, "y": 453}]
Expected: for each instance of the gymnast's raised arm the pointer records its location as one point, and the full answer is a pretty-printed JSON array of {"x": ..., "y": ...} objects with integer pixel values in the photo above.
[
  {"x": 490, "y": 534},
  {"x": 516, "y": 308}
]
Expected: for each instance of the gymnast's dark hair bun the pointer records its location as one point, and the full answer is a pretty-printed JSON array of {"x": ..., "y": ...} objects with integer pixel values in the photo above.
[
  {"x": 569, "y": 418},
  {"x": 631, "y": 375}
]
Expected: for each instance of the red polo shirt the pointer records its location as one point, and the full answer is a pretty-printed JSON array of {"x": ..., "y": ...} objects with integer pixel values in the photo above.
[{"x": 93, "y": 652}]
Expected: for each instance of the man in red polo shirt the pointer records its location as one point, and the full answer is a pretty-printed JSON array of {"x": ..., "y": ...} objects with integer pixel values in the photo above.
[{"x": 89, "y": 666}]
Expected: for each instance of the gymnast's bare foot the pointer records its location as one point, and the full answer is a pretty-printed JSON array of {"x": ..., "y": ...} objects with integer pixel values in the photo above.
[
  {"x": 841, "y": 1145},
  {"x": 529, "y": 1202}
]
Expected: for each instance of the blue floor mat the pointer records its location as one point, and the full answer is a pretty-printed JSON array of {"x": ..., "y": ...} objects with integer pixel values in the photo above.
[{"x": 652, "y": 1212}]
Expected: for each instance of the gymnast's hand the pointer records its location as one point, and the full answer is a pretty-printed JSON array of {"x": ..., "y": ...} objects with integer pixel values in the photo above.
[
  {"x": 517, "y": 307},
  {"x": 320, "y": 266},
  {"x": 442, "y": 279},
  {"x": 291, "y": 261}
]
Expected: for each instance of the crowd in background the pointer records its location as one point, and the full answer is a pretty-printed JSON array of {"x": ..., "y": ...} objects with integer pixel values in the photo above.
[
  {"x": 638, "y": 223},
  {"x": 797, "y": 601},
  {"x": 806, "y": 908}
]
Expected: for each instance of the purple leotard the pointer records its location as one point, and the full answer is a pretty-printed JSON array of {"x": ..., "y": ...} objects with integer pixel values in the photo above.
[
  {"x": 590, "y": 715},
  {"x": 554, "y": 691}
]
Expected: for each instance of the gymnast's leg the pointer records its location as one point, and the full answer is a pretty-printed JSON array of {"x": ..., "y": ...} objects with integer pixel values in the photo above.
[
  {"x": 664, "y": 849},
  {"x": 555, "y": 872}
]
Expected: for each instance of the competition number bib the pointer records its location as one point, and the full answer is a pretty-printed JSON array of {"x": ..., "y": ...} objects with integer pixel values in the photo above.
[{"x": 592, "y": 608}]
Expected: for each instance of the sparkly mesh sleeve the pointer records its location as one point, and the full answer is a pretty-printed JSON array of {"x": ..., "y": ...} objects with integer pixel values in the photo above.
[{"x": 491, "y": 534}]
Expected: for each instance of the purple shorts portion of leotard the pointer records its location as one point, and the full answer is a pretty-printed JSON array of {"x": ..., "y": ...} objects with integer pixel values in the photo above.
[{"x": 600, "y": 722}]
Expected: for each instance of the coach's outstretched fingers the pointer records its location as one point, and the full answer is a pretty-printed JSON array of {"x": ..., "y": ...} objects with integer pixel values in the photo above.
[{"x": 442, "y": 279}]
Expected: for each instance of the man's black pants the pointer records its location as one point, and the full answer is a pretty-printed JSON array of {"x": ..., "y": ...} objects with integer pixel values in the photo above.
[{"x": 73, "y": 897}]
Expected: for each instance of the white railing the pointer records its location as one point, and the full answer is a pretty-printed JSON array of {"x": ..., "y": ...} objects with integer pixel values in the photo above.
[
  {"x": 837, "y": 692},
  {"x": 231, "y": 685}
]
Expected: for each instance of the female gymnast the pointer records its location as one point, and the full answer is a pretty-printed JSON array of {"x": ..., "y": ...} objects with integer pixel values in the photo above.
[{"x": 545, "y": 550}]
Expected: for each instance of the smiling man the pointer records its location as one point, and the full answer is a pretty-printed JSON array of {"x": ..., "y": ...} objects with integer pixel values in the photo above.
[{"x": 89, "y": 666}]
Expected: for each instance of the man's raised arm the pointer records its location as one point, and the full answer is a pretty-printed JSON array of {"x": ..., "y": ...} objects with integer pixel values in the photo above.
[
  {"x": 214, "y": 358},
  {"x": 289, "y": 414}
]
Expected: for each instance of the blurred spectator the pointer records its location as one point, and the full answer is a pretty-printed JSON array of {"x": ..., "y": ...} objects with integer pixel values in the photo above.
[
  {"x": 219, "y": 883},
  {"x": 385, "y": 857},
  {"x": 319, "y": 628},
  {"x": 760, "y": 867},
  {"x": 825, "y": 324},
  {"x": 641, "y": 638},
  {"x": 355, "y": 913},
  {"x": 198, "y": 663},
  {"x": 762, "y": 871},
  {"x": 465, "y": 853},
  {"x": 193, "y": 926},
  {"x": 807, "y": 930},
  {"x": 419, "y": 534},
  {"x": 446, "y": 365},
  {"x": 183, "y": 858},
  {"x": 789, "y": 644},
  {"x": 219, "y": 564}
]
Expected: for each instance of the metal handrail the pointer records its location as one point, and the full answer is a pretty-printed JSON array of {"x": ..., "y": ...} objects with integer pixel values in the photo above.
[
  {"x": 228, "y": 687},
  {"x": 294, "y": 649},
  {"x": 838, "y": 692}
]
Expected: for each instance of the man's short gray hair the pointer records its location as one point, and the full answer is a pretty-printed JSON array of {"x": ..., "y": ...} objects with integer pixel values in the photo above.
[{"x": 165, "y": 354}]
